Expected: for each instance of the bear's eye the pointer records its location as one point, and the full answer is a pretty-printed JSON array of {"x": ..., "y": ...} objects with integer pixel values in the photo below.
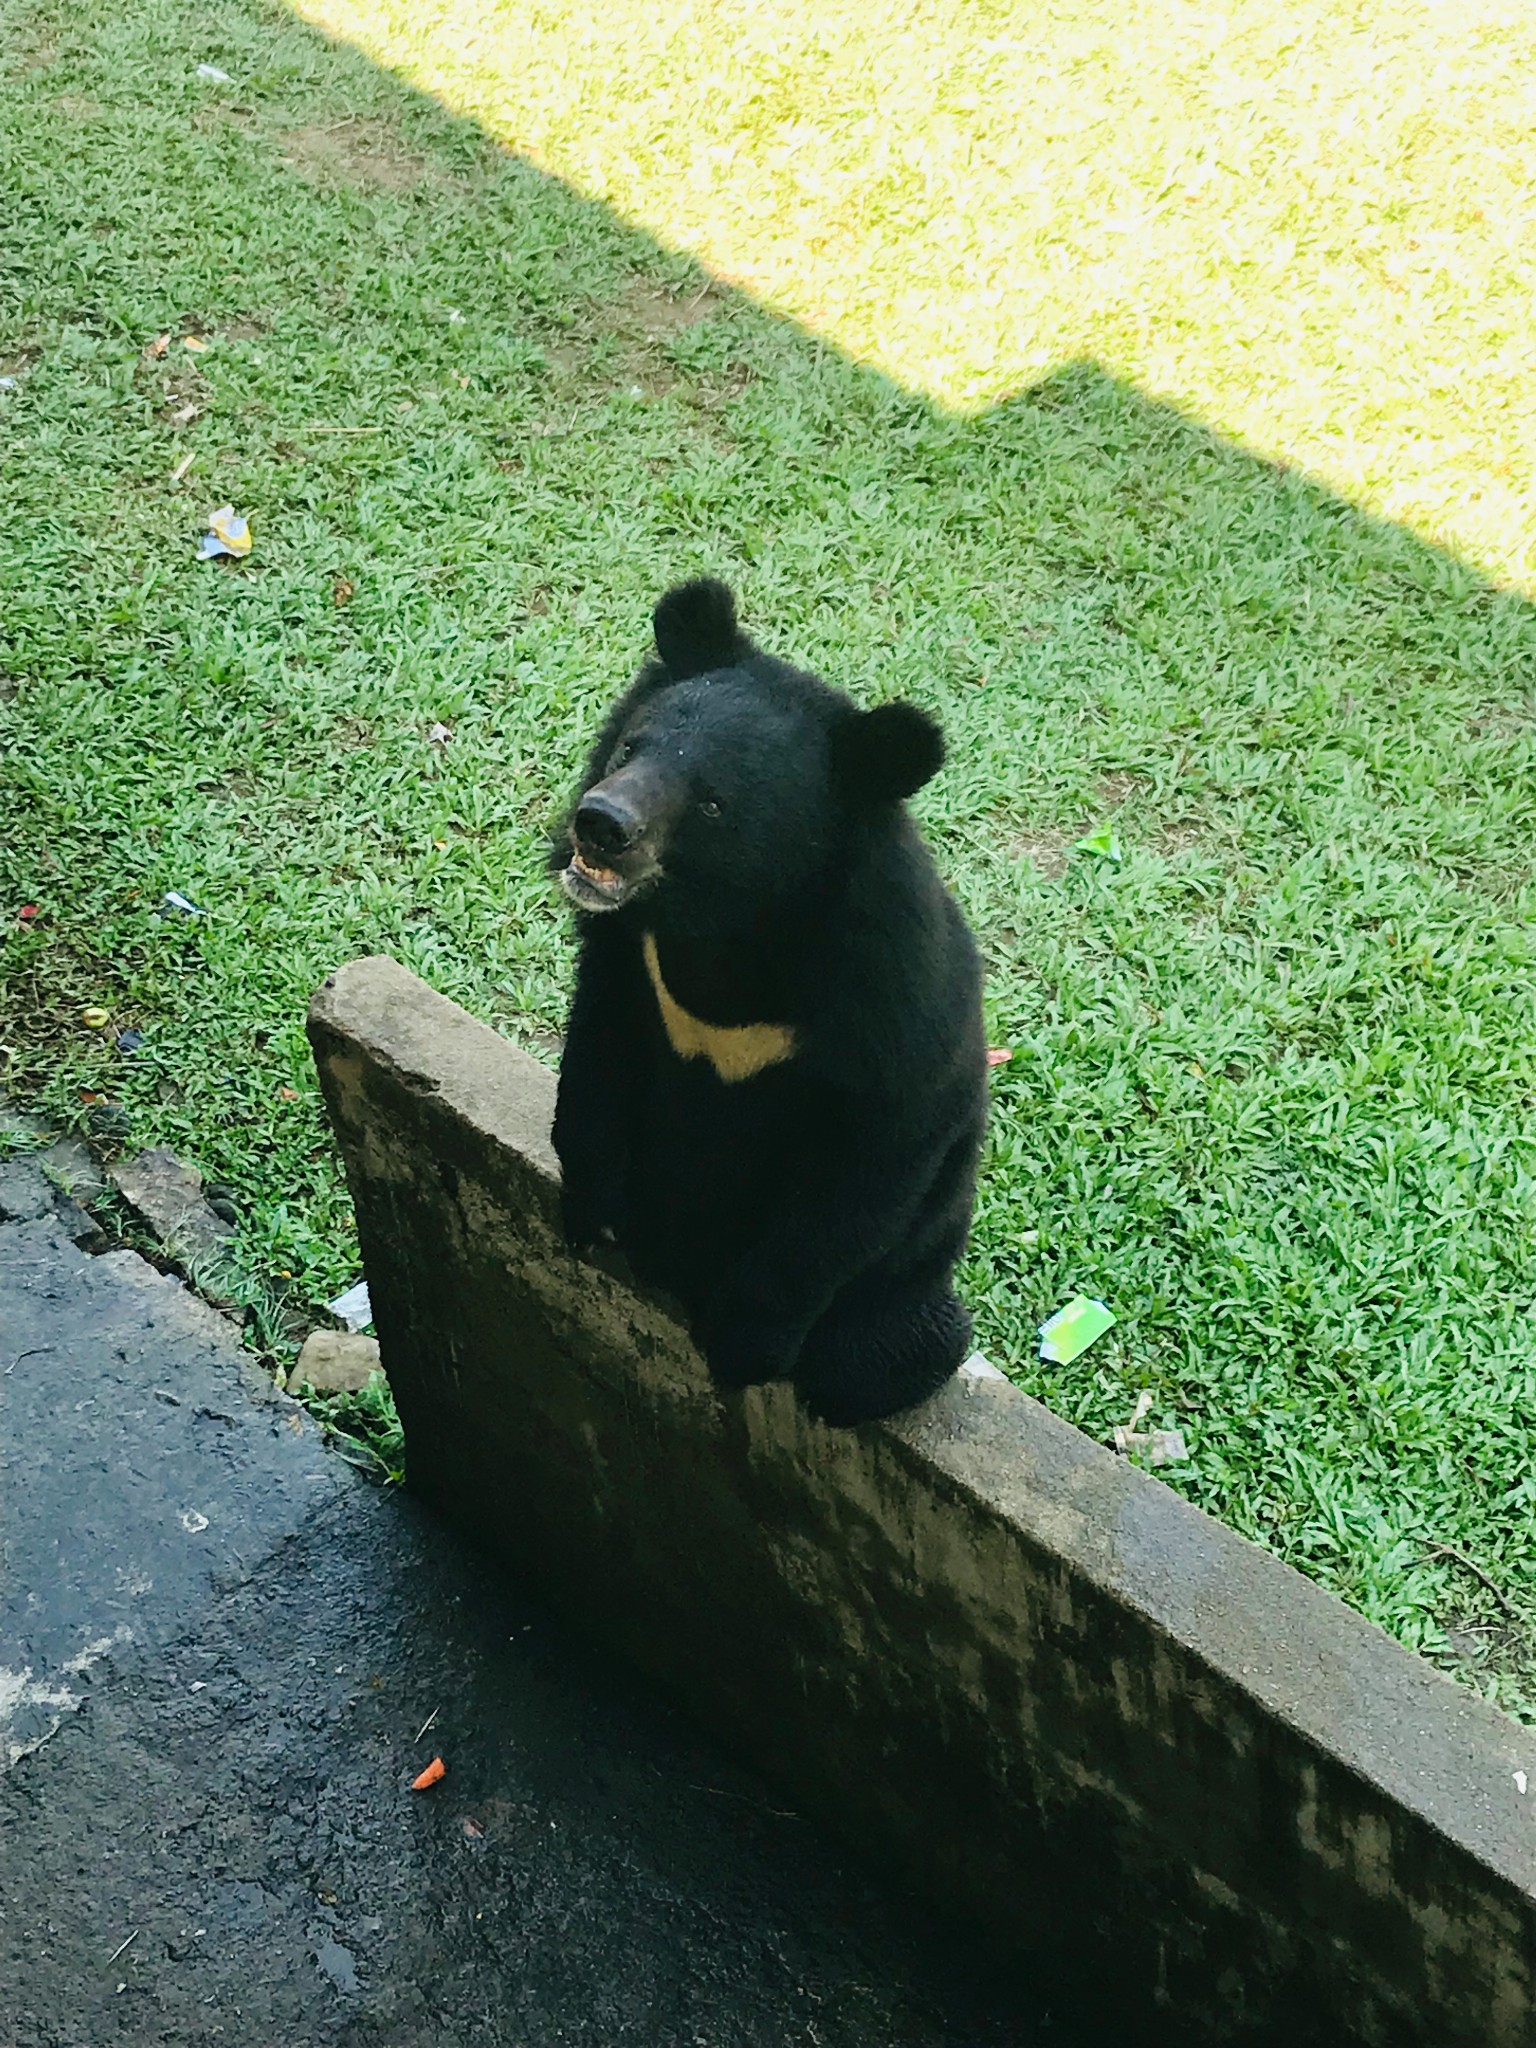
[
  {"x": 622, "y": 753},
  {"x": 710, "y": 806}
]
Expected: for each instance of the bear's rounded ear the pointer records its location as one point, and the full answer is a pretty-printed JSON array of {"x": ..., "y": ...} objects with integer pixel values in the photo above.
[
  {"x": 696, "y": 628},
  {"x": 888, "y": 753}
]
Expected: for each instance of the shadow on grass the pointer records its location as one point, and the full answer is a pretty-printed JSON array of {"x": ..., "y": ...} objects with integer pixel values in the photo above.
[{"x": 1272, "y": 1084}]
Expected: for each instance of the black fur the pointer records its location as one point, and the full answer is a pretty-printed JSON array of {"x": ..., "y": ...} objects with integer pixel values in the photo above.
[
  {"x": 888, "y": 753},
  {"x": 695, "y": 627},
  {"x": 808, "y": 1218}
]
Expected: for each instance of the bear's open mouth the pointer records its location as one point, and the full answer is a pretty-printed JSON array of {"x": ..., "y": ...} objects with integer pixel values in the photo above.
[{"x": 591, "y": 887}]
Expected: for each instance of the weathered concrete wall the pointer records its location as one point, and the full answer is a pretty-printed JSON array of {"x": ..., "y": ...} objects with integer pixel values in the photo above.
[{"x": 1127, "y": 1744}]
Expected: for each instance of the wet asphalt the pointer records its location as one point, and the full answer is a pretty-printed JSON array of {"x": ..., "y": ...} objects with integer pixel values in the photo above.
[{"x": 224, "y": 1655}]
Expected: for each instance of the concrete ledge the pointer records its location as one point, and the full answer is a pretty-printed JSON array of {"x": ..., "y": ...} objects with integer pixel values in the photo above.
[{"x": 1132, "y": 1748}]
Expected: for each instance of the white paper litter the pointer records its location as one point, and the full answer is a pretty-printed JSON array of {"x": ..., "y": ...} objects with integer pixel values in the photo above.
[
  {"x": 353, "y": 1308},
  {"x": 1157, "y": 1446}
]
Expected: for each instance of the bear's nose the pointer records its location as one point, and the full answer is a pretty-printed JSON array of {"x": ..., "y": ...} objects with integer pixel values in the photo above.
[{"x": 606, "y": 824}]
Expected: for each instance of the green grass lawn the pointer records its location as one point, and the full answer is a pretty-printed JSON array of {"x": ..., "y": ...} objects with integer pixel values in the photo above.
[{"x": 1273, "y": 1093}]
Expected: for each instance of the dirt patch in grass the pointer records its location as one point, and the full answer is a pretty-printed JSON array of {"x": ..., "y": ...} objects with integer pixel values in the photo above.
[
  {"x": 34, "y": 53},
  {"x": 634, "y": 365},
  {"x": 1177, "y": 836},
  {"x": 184, "y": 397},
  {"x": 357, "y": 151},
  {"x": 650, "y": 311},
  {"x": 1490, "y": 1641},
  {"x": 1047, "y": 852},
  {"x": 568, "y": 359},
  {"x": 643, "y": 319},
  {"x": 1501, "y": 721},
  {"x": 642, "y": 373},
  {"x": 712, "y": 394},
  {"x": 1050, "y": 851},
  {"x": 574, "y": 374},
  {"x": 1114, "y": 790},
  {"x": 620, "y": 345}
]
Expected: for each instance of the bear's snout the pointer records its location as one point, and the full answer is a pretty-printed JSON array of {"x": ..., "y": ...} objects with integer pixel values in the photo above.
[
  {"x": 615, "y": 832},
  {"x": 606, "y": 825}
]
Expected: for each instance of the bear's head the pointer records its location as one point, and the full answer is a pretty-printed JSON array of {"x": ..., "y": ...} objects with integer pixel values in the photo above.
[{"x": 727, "y": 781}]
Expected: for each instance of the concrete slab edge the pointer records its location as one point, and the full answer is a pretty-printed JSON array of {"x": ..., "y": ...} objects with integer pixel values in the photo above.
[{"x": 1043, "y": 1682}]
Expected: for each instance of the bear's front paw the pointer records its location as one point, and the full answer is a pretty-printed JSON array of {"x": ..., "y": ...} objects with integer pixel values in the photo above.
[
  {"x": 588, "y": 1225},
  {"x": 745, "y": 1354}
]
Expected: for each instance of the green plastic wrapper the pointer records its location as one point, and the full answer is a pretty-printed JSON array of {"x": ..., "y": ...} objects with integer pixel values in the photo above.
[
  {"x": 1073, "y": 1328},
  {"x": 1105, "y": 843}
]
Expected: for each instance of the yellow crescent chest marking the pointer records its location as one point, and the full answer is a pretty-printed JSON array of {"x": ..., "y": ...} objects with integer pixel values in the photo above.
[{"x": 735, "y": 1051}]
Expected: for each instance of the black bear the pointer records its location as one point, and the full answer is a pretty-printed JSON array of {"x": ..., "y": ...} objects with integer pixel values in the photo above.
[{"x": 774, "y": 1081}]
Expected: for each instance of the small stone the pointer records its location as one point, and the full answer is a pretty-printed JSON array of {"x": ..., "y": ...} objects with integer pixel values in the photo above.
[
  {"x": 336, "y": 1362},
  {"x": 163, "y": 1189},
  {"x": 25, "y": 1192},
  {"x": 70, "y": 1165},
  {"x": 80, "y": 1226},
  {"x": 167, "y": 1194}
]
